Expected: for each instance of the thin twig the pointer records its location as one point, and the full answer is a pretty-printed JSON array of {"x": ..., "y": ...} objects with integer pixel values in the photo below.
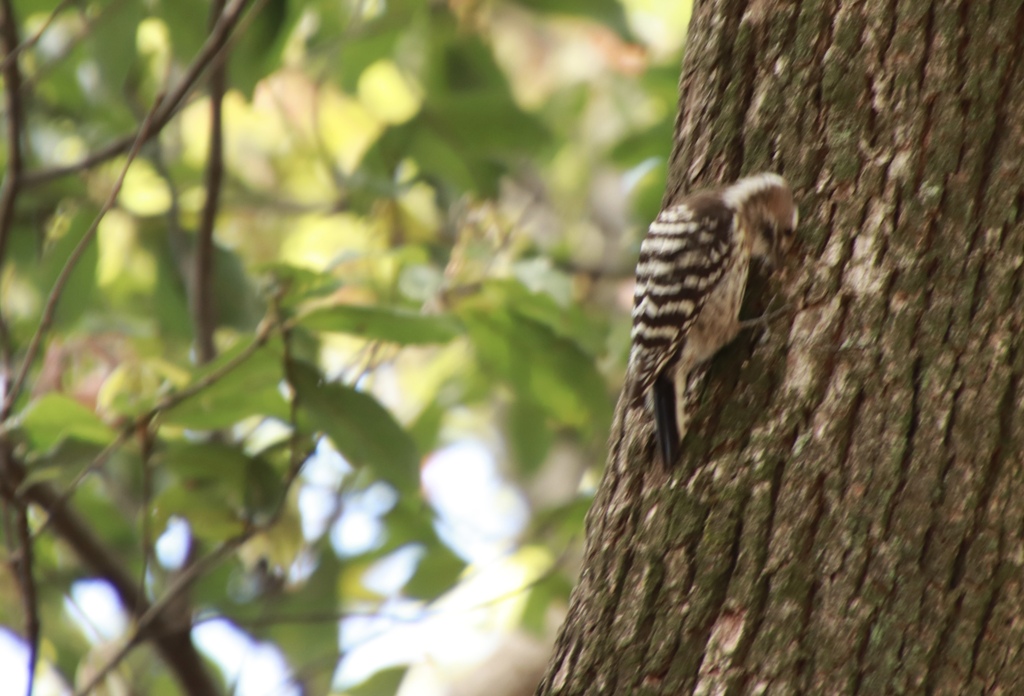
[
  {"x": 295, "y": 460},
  {"x": 83, "y": 30},
  {"x": 8, "y": 196},
  {"x": 6, "y": 354},
  {"x": 15, "y": 163},
  {"x": 217, "y": 39},
  {"x": 163, "y": 108},
  {"x": 15, "y": 124},
  {"x": 29, "y": 596},
  {"x": 145, "y": 436},
  {"x": 50, "y": 309},
  {"x": 177, "y": 240},
  {"x": 170, "y": 634},
  {"x": 313, "y": 617},
  {"x": 155, "y": 610},
  {"x": 266, "y": 330},
  {"x": 171, "y": 630},
  {"x": 20, "y": 554},
  {"x": 204, "y": 310},
  {"x": 34, "y": 39},
  {"x": 97, "y": 462}
]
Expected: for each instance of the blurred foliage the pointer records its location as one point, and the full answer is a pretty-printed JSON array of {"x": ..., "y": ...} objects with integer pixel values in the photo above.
[{"x": 425, "y": 235}]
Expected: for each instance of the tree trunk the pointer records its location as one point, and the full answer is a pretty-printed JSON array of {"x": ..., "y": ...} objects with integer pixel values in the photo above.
[{"x": 849, "y": 512}]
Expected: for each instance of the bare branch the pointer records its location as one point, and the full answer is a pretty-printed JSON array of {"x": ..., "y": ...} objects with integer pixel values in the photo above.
[
  {"x": 217, "y": 39},
  {"x": 266, "y": 330},
  {"x": 145, "y": 437},
  {"x": 169, "y": 627},
  {"x": 83, "y": 29},
  {"x": 15, "y": 125},
  {"x": 97, "y": 462},
  {"x": 50, "y": 309},
  {"x": 20, "y": 556},
  {"x": 29, "y": 597},
  {"x": 31, "y": 41},
  {"x": 6, "y": 352},
  {"x": 204, "y": 310},
  {"x": 23, "y": 561},
  {"x": 150, "y": 619},
  {"x": 171, "y": 634},
  {"x": 15, "y": 163}
]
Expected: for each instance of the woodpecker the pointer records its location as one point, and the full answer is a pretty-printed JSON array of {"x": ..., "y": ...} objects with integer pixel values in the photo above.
[{"x": 690, "y": 280}]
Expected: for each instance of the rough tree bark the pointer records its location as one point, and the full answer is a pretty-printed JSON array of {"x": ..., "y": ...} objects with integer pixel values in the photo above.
[{"x": 849, "y": 513}]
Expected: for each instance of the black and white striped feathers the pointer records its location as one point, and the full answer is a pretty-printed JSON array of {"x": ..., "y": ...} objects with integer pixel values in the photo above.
[{"x": 690, "y": 280}]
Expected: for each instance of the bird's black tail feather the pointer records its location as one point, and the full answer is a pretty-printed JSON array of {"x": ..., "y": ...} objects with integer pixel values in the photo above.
[{"x": 665, "y": 427}]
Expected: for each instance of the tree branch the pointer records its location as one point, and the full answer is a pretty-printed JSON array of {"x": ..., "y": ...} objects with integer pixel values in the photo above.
[
  {"x": 169, "y": 627},
  {"x": 50, "y": 309},
  {"x": 12, "y": 98},
  {"x": 20, "y": 556},
  {"x": 265, "y": 331},
  {"x": 27, "y": 585},
  {"x": 171, "y": 634},
  {"x": 11, "y": 56},
  {"x": 217, "y": 39},
  {"x": 13, "y": 179},
  {"x": 204, "y": 313},
  {"x": 23, "y": 562},
  {"x": 150, "y": 621}
]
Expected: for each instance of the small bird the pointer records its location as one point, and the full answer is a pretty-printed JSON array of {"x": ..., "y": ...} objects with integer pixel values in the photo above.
[{"x": 690, "y": 281}]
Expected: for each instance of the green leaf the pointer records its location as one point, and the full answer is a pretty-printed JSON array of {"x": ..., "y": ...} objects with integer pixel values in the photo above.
[
  {"x": 485, "y": 123},
  {"x": 444, "y": 163},
  {"x": 470, "y": 129},
  {"x": 80, "y": 290},
  {"x": 188, "y": 23},
  {"x": 53, "y": 417},
  {"x": 238, "y": 305},
  {"x": 62, "y": 462},
  {"x": 242, "y": 482},
  {"x": 384, "y": 324},
  {"x": 250, "y": 389},
  {"x": 567, "y": 320},
  {"x": 435, "y": 574},
  {"x": 607, "y": 12},
  {"x": 427, "y": 428},
  {"x": 209, "y": 518},
  {"x": 257, "y": 51},
  {"x": 311, "y": 646},
  {"x": 167, "y": 305},
  {"x": 108, "y": 521},
  {"x": 375, "y": 42},
  {"x": 297, "y": 284},
  {"x": 383, "y": 683},
  {"x": 562, "y": 523},
  {"x": 362, "y": 430},
  {"x": 530, "y": 435},
  {"x": 409, "y": 523},
  {"x": 541, "y": 366},
  {"x": 112, "y": 43},
  {"x": 27, "y": 7},
  {"x": 555, "y": 587}
]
